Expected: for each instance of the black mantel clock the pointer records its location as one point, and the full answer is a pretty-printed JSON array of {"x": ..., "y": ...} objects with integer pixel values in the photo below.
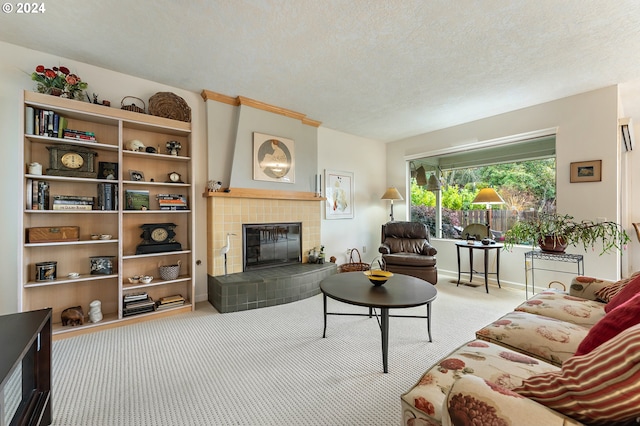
[
  {"x": 158, "y": 238},
  {"x": 74, "y": 161}
]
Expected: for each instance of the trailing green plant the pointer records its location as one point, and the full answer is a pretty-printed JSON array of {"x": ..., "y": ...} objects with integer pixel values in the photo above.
[{"x": 563, "y": 229}]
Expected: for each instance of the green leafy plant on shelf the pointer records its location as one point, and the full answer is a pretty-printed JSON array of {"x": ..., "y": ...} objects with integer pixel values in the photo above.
[
  {"x": 555, "y": 232},
  {"x": 58, "y": 81}
]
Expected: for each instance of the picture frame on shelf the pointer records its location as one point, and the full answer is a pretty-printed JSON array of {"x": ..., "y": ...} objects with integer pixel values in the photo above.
[
  {"x": 273, "y": 158},
  {"x": 107, "y": 170},
  {"x": 339, "y": 194},
  {"x": 586, "y": 171},
  {"x": 136, "y": 176}
]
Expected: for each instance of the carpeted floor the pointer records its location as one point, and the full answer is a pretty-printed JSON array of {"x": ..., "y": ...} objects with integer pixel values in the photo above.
[{"x": 268, "y": 366}]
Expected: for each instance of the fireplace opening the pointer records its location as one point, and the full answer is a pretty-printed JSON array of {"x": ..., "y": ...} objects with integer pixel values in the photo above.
[{"x": 268, "y": 245}]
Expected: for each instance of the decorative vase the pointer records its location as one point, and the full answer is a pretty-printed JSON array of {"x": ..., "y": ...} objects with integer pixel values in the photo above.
[{"x": 553, "y": 244}]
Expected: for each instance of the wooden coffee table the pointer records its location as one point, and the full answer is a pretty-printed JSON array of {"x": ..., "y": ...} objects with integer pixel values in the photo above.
[{"x": 400, "y": 291}]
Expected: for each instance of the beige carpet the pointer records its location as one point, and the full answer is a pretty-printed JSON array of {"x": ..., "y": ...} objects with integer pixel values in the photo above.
[{"x": 268, "y": 366}]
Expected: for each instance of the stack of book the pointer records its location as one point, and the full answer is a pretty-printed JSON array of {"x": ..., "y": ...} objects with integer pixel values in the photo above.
[
  {"x": 172, "y": 202},
  {"x": 107, "y": 196},
  {"x": 169, "y": 302},
  {"x": 79, "y": 135},
  {"x": 137, "y": 303},
  {"x": 44, "y": 123},
  {"x": 37, "y": 194},
  {"x": 72, "y": 202}
]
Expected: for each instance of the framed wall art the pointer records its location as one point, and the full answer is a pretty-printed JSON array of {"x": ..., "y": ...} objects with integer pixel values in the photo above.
[
  {"x": 586, "y": 171},
  {"x": 339, "y": 194},
  {"x": 273, "y": 158}
]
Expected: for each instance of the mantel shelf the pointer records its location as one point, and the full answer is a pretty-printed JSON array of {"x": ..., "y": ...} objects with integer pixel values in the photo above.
[{"x": 266, "y": 194}]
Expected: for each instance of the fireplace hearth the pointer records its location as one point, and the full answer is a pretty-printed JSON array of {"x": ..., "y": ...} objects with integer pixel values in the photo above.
[{"x": 268, "y": 245}]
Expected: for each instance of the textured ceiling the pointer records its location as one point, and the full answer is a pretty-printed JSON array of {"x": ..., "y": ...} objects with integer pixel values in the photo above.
[{"x": 383, "y": 69}]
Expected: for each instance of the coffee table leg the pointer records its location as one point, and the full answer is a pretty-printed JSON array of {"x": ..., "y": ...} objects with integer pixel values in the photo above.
[
  {"x": 324, "y": 302},
  {"x": 384, "y": 329},
  {"x": 429, "y": 320}
]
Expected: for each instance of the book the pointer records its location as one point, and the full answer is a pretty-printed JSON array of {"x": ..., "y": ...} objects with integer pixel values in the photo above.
[
  {"x": 72, "y": 207},
  {"x": 29, "y": 197},
  {"x": 62, "y": 124},
  {"x": 136, "y": 199},
  {"x": 29, "y": 120}
]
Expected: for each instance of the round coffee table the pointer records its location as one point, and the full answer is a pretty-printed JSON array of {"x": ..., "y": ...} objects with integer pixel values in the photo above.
[{"x": 400, "y": 291}]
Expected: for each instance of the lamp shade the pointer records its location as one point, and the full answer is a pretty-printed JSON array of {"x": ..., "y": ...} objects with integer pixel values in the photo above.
[
  {"x": 488, "y": 196},
  {"x": 392, "y": 194}
]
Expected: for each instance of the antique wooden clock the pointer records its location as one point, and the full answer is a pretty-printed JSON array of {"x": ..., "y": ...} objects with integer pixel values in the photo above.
[
  {"x": 74, "y": 161},
  {"x": 158, "y": 238}
]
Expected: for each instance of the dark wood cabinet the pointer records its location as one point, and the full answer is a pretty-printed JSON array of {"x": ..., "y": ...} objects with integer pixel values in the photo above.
[{"x": 25, "y": 368}]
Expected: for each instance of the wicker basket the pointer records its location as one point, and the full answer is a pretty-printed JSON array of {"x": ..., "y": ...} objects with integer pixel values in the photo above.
[
  {"x": 354, "y": 265},
  {"x": 133, "y": 107},
  {"x": 169, "y": 272},
  {"x": 169, "y": 105}
]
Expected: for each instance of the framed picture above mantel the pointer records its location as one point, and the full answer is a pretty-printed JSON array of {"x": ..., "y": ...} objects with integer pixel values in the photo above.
[{"x": 273, "y": 158}]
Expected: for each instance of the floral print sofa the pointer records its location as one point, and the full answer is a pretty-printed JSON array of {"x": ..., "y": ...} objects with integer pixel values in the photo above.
[{"x": 560, "y": 358}]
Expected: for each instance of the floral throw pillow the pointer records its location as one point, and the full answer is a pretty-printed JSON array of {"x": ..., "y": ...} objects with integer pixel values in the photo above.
[
  {"x": 605, "y": 294},
  {"x": 619, "y": 319},
  {"x": 600, "y": 387}
]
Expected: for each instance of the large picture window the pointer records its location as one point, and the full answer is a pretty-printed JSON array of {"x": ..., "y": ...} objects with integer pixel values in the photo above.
[{"x": 444, "y": 187}]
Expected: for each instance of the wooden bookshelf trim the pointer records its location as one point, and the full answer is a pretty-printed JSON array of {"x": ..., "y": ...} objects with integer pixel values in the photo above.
[{"x": 265, "y": 194}]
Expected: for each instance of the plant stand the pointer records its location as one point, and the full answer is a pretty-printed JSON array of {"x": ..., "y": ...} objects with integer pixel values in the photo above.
[{"x": 554, "y": 257}]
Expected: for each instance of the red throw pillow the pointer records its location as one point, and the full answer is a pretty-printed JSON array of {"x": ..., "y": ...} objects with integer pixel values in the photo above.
[
  {"x": 612, "y": 324},
  {"x": 627, "y": 292}
]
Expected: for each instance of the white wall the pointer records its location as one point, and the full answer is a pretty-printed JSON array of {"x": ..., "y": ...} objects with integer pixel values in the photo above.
[
  {"x": 366, "y": 159},
  {"x": 15, "y": 69},
  {"x": 586, "y": 130}
]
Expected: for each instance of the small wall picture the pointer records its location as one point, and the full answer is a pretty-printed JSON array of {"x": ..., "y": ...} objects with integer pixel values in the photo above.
[
  {"x": 339, "y": 194},
  {"x": 586, "y": 171},
  {"x": 136, "y": 176},
  {"x": 273, "y": 158}
]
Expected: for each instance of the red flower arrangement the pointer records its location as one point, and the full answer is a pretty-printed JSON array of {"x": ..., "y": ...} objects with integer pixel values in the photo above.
[{"x": 58, "y": 81}]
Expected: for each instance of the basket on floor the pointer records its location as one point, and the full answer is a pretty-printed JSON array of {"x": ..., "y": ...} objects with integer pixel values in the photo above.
[{"x": 354, "y": 265}]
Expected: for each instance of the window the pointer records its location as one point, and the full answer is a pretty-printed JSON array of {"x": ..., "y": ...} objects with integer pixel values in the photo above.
[{"x": 523, "y": 173}]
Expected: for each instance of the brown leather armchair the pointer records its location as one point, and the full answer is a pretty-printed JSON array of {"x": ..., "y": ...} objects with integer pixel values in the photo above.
[{"x": 406, "y": 249}]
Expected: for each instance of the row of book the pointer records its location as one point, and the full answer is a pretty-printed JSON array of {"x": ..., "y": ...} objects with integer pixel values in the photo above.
[
  {"x": 172, "y": 202},
  {"x": 139, "y": 303},
  {"x": 138, "y": 199},
  {"x": 49, "y": 123},
  {"x": 38, "y": 198}
]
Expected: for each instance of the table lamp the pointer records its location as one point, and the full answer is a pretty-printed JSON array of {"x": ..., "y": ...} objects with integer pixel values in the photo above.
[
  {"x": 488, "y": 196},
  {"x": 391, "y": 194}
]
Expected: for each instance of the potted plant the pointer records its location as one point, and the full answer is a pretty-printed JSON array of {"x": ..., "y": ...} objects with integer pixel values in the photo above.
[
  {"x": 58, "y": 81},
  {"x": 554, "y": 232}
]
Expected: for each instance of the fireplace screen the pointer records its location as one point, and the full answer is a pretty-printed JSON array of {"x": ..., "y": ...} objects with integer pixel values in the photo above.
[{"x": 271, "y": 244}]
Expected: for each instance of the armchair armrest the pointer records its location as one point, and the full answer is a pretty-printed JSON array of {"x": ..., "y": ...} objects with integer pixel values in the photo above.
[
  {"x": 429, "y": 250},
  {"x": 384, "y": 249},
  {"x": 471, "y": 397}
]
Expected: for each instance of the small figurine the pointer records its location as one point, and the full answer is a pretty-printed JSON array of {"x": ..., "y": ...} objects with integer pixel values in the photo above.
[
  {"x": 173, "y": 147},
  {"x": 72, "y": 316},
  {"x": 213, "y": 185}
]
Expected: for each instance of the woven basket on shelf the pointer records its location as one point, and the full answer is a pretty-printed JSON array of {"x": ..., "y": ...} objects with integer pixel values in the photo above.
[
  {"x": 169, "y": 105},
  {"x": 169, "y": 272},
  {"x": 133, "y": 107},
  {"x": 354, "y": 265}
]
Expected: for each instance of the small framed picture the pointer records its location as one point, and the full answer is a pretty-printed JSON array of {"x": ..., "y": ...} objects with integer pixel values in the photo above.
[
  {"x": 586, "y": 171},
  {"x": 107, "y": 170},
  {"x": 136, "y": 176},
  {"x": 339, "y": 193}
]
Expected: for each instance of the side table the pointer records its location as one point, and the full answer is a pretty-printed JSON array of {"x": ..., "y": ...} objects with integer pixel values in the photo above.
[
  {"x": 486, "y": 249},
  {"x": 530, "y": 256}
]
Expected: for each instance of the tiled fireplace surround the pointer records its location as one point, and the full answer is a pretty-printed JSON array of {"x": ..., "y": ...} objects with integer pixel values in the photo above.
[{"x": 238, "y": 290}]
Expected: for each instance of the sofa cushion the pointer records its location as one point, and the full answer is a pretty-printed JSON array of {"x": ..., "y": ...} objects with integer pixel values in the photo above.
[
  {"x": 600, "y": 387},
  {"x": 608, "y": 292},
  {"x": 560, "y": 305},
  {"x": 423, "y": 403},
  {"x": 627, "y": 292},
  {"x": 619, "y": 319},
  {"x": 409, "y": 259},
  {"x": 473, "y": 400},
  {"x": 540, "y": 337}
]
